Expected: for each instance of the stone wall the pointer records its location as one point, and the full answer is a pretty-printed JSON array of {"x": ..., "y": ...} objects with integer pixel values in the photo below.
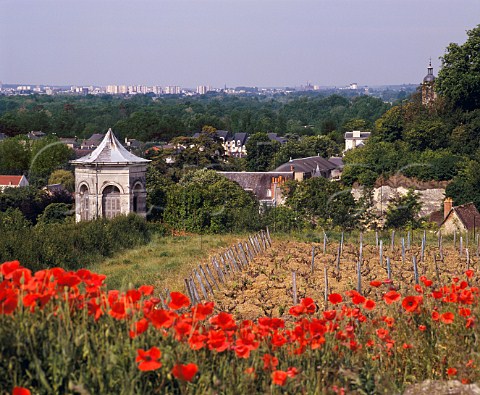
[{"x": 431, "y": 199}]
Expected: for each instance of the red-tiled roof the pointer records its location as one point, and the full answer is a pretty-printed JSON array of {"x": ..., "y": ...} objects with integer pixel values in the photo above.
[{"x": 10, "y": 180}]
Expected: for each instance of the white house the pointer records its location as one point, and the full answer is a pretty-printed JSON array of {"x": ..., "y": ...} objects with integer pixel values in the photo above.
[{"x": 355, "y": 139}]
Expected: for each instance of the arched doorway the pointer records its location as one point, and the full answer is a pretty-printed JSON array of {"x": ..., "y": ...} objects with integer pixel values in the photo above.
[
  {"x": 111, "y": 201},
  {"x": 84, "y": 203}
]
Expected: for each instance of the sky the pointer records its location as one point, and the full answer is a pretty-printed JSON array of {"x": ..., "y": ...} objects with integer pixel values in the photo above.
[{"x": 228, "y": 42}]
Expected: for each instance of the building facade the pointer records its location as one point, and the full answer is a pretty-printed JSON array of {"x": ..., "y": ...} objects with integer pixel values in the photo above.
[{"x": 109, "y": 181}]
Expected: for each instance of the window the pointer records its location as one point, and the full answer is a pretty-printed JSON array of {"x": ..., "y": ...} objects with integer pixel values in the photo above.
[
  {"x": 139, "y": 202},
  {"x": 84, "y": 203},
  {"x": 111, "y": 202}
]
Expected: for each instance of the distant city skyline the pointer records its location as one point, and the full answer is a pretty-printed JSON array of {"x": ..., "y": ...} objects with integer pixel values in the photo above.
[{"x": 192, "y": 43}]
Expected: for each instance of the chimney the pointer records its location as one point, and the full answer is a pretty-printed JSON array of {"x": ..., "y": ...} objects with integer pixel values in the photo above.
[
  {"x": 447, "y": 207},
  {"x": 292, "y": 168}
]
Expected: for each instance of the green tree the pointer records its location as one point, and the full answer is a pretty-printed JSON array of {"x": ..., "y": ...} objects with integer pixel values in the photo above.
[
  {"x": 47, "y": 155},
  {"x": 55, "y": 213},
  {"x": 14, "y": 155},
  {"x": 204, "y": 201},
  {"x": 459, "y": 77},
  {"x": 260, "y": 152},
  {"x": 321, "y": 202},
  {"x": 402, "y": 211},
  {"x": 64, "y": 177}
]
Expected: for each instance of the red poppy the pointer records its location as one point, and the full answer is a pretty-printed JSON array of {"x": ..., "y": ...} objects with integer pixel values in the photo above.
[
  {"x": 389, "y": 321},
  {"x": 9, "y": 267},
  {"x": 447, "y": 318},
  {"x": 148, "y": 360},
  {"x": 407, "y": 346},
  {"x": 335, "y": 298},
  {"x": 309, "y": 305},
  {"x": 185, "y": 372},
  {"x": 437, "y": 294},
  {"x": 178, "y": 300},
  {"x": 422, "y": 328},
  {"x": 202, "y": 311},
  {"x": 470, "y": 322},
  {"x": 452, "y": 372},
  {"x": 146, "y": 290},
  {"x": 376, "y": 283},
  {"x": 269, "y": 362},
  {"x": 162, "y": 318},
  {"x": 426, "y": 281},
  {"x": 369, "y": 304},
  {"x": 8, "y": 301},
  {"x": 69, "y": 279},
  {"x": 329, "y": 314},
  {"x": 250, "y": 370},
  {"x": 435, "y": 315},
  {"x": 418, "y": 288},
  {"x": 297, "y": 310},
  {"x": 138, "y": 328},
  {"x": 469, "y": 273},
  {"x": 464, "y": 312},
  {"x": 20, "y": 391},
  {"x": 391, "y": 297},
  {"x": 292, "y": 372},
  {"x": 279, "y": 377},
  {"x": 224, "y": 321},
  {"x": 411, "y": 303}
]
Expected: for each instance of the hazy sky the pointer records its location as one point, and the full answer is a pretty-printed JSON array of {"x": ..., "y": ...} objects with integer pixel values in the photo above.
[{"x": 233, "y": 42}]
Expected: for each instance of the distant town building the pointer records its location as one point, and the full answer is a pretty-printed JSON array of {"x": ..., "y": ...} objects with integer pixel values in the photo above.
[
  {"x": 428, "y": 87},
  {"x": 355, "y": 139},
  {"x": 109, "y": 181},
  {"x": 12, "y": 182}
]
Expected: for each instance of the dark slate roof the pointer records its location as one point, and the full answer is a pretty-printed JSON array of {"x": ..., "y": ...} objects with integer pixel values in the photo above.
[
  {"x": 307, "y": 165},
  {"x": 240, "y": 136},
  {"x": 274, "y": 137},
  {"x": 363, "y": 135},
  {"x": 468, "y": 215},
  {"x": 110, "y": 151},
  {"x": 94, "y": 140},
  {"x": 257, "y": 182},
  {"x": 337, "y": 161}
]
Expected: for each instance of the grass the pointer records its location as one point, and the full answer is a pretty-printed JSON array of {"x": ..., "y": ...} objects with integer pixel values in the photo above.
[{"x": 164, "y": 262}]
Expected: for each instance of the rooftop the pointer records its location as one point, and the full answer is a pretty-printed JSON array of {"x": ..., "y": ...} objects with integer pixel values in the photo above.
[{"x": 110, "y": 151}]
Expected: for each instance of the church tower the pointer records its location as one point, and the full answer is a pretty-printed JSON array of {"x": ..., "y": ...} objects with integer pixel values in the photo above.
[
  {"x": 110, "y": 181},
  {"x": 428, "y": 87}
]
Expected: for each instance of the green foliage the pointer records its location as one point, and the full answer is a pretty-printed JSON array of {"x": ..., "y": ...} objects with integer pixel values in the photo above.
[
  {"x": 464, "y": 188},
  {"x": 68, "y": 244},
  {"x": 55, "y": 213},
  {"x": 459, "y": 77},
  {"x": 48, "y": 154},
  {"x": 282, "y": 219},
  {"x": 402, "y": 211},
  {"x": 14, "y": 156},
  {"x": 321, "y": 202},
  {"x": 205, "y": 201},
  {"x": 30, "y": 201},
  {"x": 260, "y": 152},
  {"x": 63, "y": 177}
]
